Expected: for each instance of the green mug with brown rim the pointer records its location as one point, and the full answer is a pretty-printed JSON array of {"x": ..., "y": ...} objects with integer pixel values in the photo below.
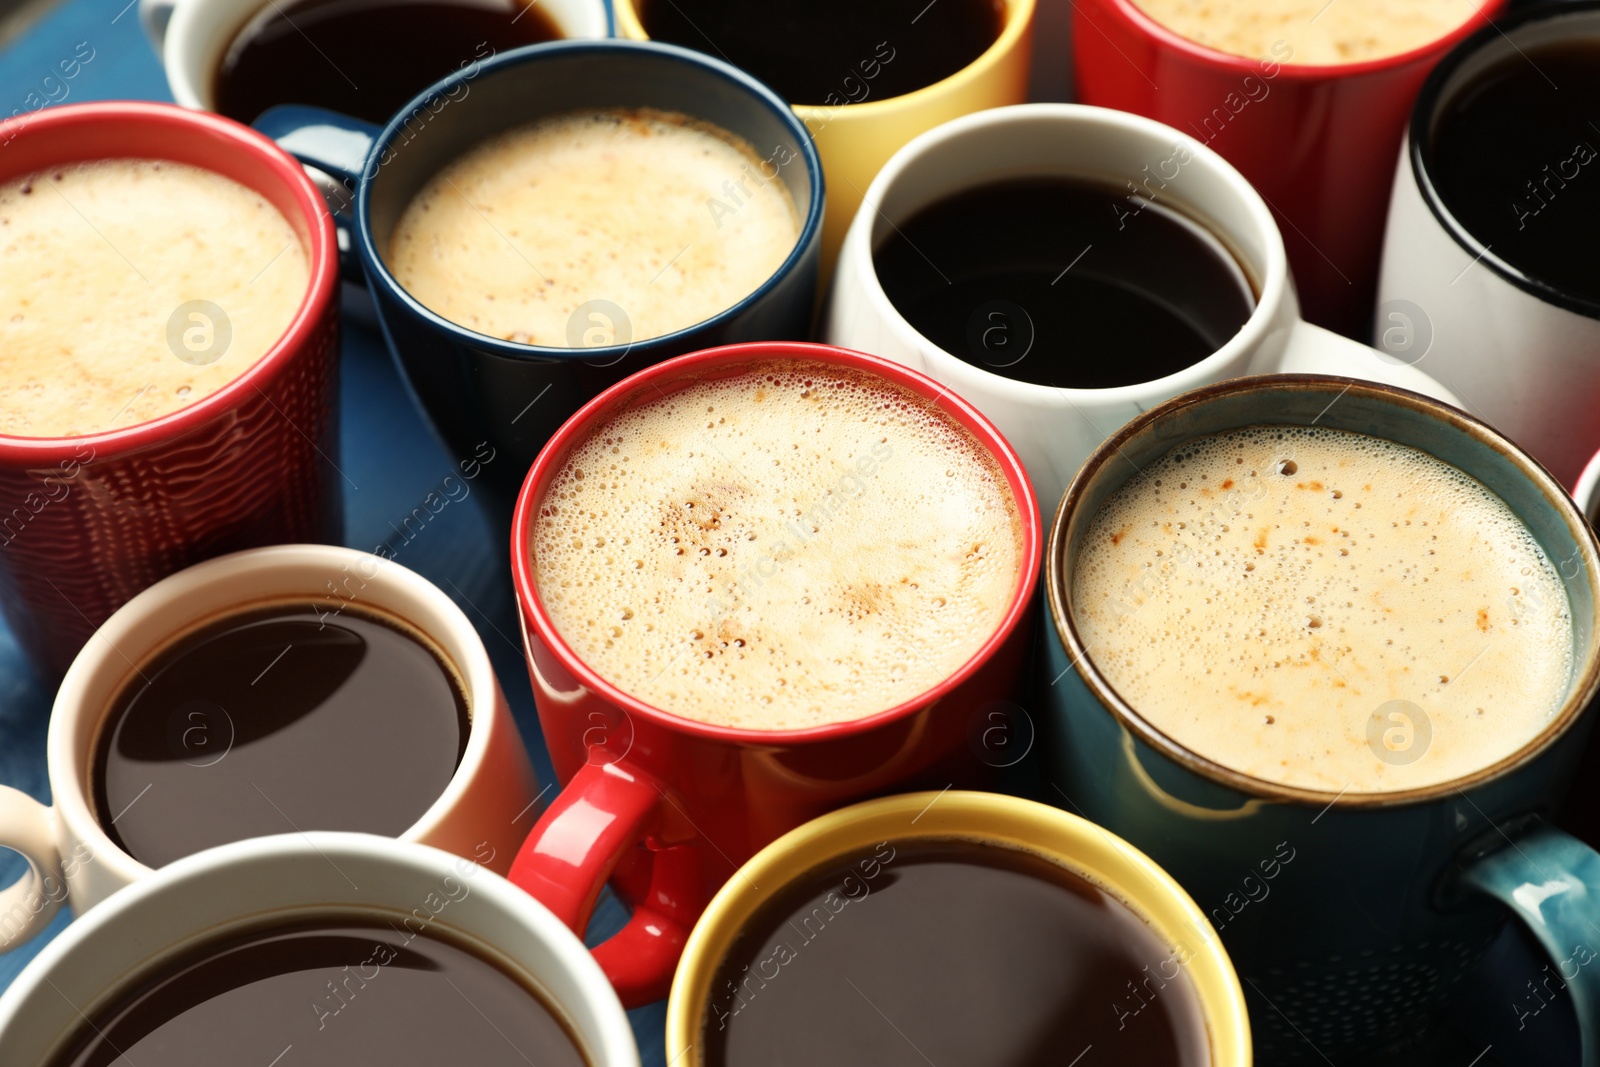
[{"x": 1350, "y": 913}]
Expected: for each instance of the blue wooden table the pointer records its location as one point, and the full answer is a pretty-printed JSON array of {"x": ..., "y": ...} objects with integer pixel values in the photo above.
[{"x": 393, "y": 461}]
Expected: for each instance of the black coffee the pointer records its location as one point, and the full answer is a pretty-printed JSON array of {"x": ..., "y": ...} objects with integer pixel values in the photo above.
[
  {"x": 364, "y": 57},
  {"x": 274, "y": 721},
  {"x": 954, "y": 953},
  {"x": 331, "y": 993},
  {"x": 1516, "y": 159},
  {"x": 833, "y": 51},
  {"x": 1064, "y": 282}
]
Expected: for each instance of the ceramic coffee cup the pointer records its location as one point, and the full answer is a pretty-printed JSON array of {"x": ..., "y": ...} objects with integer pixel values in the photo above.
[
  {"x": 986, "y": 818},
  {"x": 288, "y": 879},
  {"x": 1518, "y": 348},
  {"x": 1350, "y": 915},
  {"x": 192, "y": 36},
  {"x": 473, "y": 386},
  {"x": 1056, "y": 429},
  {"x": 86, "y": 522},
  {"x": 706, "y": 797},
  {"x": 483, "y": 813},
  {"x": 856, "y": 138},
  {"x": 1318, "y": 141}
]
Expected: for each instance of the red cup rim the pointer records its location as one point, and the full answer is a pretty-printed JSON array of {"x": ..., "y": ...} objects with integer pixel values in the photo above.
[
  {"x": 575, "y": 430},
  {"x": 1243, "y": 65},
  {"x": 277, "y": 165}
]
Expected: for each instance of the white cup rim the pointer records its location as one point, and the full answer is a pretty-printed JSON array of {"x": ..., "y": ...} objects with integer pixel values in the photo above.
[
  {"x": 1272, "y": 275},
  {"x": 70, "y": 773},
  {"x": 618, "y": 1048}
]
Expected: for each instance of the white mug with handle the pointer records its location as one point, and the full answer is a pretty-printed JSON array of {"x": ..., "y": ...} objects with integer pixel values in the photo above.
[
  {"x": 484, "y": 812},
  {"x": 1054, "y": 428}
]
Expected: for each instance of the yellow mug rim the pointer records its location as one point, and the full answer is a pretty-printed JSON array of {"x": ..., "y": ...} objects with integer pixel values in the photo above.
[
  {"x": 1019, "y": 18},
  {"x": 1076, "y": 843}
]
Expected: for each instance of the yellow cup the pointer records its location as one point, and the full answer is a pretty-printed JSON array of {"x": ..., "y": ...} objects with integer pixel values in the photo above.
[
  {"x": 855, "y": 140},
  {"x": 1076, "y": 844}
]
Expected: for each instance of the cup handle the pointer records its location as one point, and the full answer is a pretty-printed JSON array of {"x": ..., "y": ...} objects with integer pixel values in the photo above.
[
  {"x": 1314, "y": 350},
  {"x": 154, "y": 16},
  {"x": 1551, "y": 881},
  {"x": 573, "y": 849},
  {"x": 27, "y": 907},
  {"x": 331, "y": 142}
]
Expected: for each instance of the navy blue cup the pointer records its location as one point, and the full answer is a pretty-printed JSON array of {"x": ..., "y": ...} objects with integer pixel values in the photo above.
[{"x": 482, "y": 392}]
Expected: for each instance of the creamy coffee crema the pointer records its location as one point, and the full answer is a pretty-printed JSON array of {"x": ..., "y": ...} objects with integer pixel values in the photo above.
[
  {"x": 1318, "y": 32},
  {"x": 97, "y": 263},
  {"x": 793, "y": 546},
  {"x": 666, "y": 219},
  {"x": 1262, "y": 596}
]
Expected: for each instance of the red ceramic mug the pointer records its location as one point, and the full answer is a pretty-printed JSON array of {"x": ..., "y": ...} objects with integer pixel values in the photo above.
[
  {"x": 1318, "y": 142},
  {"x": 668, "y": 808},
  {"x": 86, "y": 522}
]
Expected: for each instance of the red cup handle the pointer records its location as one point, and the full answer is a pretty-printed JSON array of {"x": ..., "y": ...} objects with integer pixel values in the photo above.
[{"x": 570, "y": 854}]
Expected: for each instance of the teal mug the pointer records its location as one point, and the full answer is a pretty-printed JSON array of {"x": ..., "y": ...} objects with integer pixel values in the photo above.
[{"x": 1350, "y": 915}]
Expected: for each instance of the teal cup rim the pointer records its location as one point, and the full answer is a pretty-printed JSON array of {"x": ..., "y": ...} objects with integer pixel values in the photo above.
[{"x": 1091, "y": 478}]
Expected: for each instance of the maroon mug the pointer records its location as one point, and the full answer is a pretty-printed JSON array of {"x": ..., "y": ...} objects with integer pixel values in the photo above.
[
  {"x": 86, "y": 522},
  {"x": 668, "y": 808}
]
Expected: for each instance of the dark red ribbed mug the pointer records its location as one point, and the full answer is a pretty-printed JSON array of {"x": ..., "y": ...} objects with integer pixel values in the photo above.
[
  {"x": 668, "y": 808},
  {"x": 87, "y": 522},
  {"x": 1318, "y": 142}
]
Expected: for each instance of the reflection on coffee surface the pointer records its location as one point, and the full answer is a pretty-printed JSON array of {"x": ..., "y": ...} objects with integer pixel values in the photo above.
[
  {"x": 329, "y": 992},
  {"x": 793, "y": 545},
  {"x": 1066, "y": 282},
  {"x": 597, "y": 228},
  {"x": 1323, "y": 609},
  {"x": 833, "y": 52},
  {"x": 1515, "y": 162},
  {"x": 1317, "y": 33},
  {"x": 276, "y": 720},
  {"x": 956, "y": 953},
  {"x": 365, "y": 58},
  {"x": 130, "y": 288}
]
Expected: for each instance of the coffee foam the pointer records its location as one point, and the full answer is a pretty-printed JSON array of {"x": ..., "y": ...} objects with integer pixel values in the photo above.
[
  {"x": 95, "y": 259},
  {"x": 1316, "y": 32},
  {"x": 1262, "y": 619},
  {"x": 668, "y": 218},
  {"x": 793, "y": 546}
]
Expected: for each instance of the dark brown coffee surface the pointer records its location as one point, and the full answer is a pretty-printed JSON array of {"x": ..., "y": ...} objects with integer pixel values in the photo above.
[
  {"x": 1516, "y": 159},
  {"x": 953, "y": 953},
  {"x": 334, "y": 993},
  {"x": 364, "y": 57},
  {"x": 273, "y": 721},
  {"x": 1065, "y": 282},
  {"x": 833, "y": 52}
]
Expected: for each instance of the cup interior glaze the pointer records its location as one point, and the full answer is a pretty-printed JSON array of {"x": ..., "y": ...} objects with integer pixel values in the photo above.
[
  {"x": 1076, "y": 844},
  {"x": 526, "y": 84},
  {"x": 671, "y": 375},
  {"x": 1390, "y": 414},
  {"x": 1542, "y": 24},
  {"x": 267, "y": 881},
  {"x": 132, "y": 130},
  {"x": 324, "y": 575}
]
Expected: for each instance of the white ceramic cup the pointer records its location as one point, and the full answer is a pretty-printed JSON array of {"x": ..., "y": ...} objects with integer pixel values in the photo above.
[
  {"x": 1055, "y": 429},
  {"x": 298, "y": 876},
  {"x": 191, "y": 37},
  {"x": 484, "y": 812},
  {"x": 1522, "y": 354}
]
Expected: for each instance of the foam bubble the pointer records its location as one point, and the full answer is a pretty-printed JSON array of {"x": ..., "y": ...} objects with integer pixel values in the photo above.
[
  {"x": 1311, "y": 31},
  {"x": 780, "y": 549},
  {"x": 1259, "y": 595}
]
